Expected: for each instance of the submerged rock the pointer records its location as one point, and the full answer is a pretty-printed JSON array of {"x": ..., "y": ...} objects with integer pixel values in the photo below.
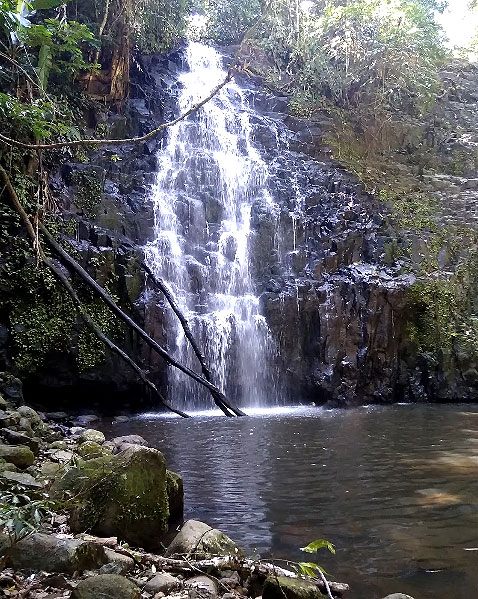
[
  {"x": 106, "y": 586},
  {"x": 201, "y": 540}
]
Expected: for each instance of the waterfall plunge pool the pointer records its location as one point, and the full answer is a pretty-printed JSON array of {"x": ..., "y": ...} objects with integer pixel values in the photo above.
[{"x": 394, "y": 488}]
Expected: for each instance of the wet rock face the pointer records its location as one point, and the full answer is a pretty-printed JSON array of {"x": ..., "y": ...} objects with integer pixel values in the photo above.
[
  {"x": 337, "y": 311},
  {"x": 333, "y": 305}
]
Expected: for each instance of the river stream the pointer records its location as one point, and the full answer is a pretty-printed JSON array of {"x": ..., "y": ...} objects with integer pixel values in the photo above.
[{"x": 394, "y": 488}]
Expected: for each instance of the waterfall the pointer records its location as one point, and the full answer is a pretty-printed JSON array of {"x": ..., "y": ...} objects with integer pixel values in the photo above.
[{"x": 209, "y": 174}]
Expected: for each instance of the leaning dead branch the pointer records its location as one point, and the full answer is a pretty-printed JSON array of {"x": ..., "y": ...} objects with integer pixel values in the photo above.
[
  {"x": 113, "y": 306},
  {"x": 161, "y": 286}
]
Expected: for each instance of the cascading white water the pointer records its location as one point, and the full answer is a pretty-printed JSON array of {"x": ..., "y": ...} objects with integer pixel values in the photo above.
[{"x": 209, "y": 174}]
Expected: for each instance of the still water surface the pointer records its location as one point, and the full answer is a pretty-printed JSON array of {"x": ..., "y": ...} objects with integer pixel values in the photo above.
[{"x": 394, "y": 488}]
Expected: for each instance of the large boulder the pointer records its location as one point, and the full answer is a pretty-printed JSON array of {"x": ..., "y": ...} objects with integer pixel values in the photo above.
[
  {"x": 106, "y": 586},
  {"x": 201, "y": 541},
  {"x": 124, "y": 495},
  {"x": 49, "y": 553},
  {"x": 19, "y": 455},
  {"x": 281, "y": 587}
]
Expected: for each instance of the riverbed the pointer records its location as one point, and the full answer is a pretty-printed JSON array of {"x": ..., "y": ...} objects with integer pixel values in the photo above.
[{"x": 395, "y": 489}]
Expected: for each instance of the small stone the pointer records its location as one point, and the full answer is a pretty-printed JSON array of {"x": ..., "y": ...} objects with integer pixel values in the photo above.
[
  {"x": 121, "y": 563},
  {"x": 56, "y": 581},
  {"x": 204, "y": 586},
  {"x": 162, "y": 583},
  {"x": 58, "y": 445},
  {"x": 91, "y": 434},
  {"x": 60, "y": 455},
  {"x": 7, "y": 466},
  {"x": 398, "y": 596},
  {"x": 50, "y": 469},
  {"x": 20, "y": 455},
  {"x": 106, "y": 586},
  {"x": 234, "y": 580},
  {"x": 22, "y": 478},
  {"x": 16, "y": 438},
  {"x": 120, "y": 419}
]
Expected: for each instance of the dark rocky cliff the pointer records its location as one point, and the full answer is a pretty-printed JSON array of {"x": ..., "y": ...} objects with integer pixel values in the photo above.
[{"x": 336, "y": 298}]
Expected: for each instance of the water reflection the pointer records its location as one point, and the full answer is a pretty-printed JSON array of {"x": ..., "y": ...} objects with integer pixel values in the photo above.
[{"x": 395, "y": 489}]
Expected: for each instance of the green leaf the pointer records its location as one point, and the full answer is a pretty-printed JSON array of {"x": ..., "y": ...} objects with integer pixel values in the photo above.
[{"x": 319, "y": 544}]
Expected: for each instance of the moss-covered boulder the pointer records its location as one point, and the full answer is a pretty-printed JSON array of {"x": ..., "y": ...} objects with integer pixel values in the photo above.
[
  {"x": 280, "y": 587},
  {"x": 19, "y": 455},
  {"x": 90, "y": 450},
  {"x": 124, "y": 495},
  {"x": 106, "y": 586},
  {"x": 49, "y": 553},
  {"x": 201, "y": 541}
]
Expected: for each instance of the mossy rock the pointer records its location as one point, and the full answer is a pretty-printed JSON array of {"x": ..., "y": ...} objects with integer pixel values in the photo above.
[
  {"x": 123, "y": 495},
  {"x": 92, "y": 435},
  {"x": 90, "y": 450},
  {"x": 19, "y": 455},
  {"x": 281, "y": 587}
]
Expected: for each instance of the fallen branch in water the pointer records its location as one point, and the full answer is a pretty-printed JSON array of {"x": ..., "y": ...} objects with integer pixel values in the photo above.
[
  {"x": 113, "y": 306},
  {"x": 244, "y": 565},
  {"x": 159, "y": 284}
]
